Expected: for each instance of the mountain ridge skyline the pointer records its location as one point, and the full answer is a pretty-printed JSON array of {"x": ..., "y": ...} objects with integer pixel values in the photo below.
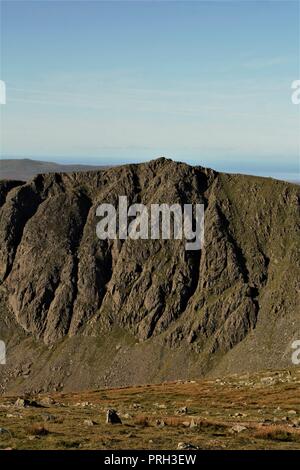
[{"x": 8, "y": 167}]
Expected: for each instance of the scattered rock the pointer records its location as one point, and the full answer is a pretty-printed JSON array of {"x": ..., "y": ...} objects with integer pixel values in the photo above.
[
  {"x": 181, "y": 411},
  {"x": 267, "y": 421},
  {"x": 160, "y": 423},
  {"x": 136, "y": 406},
  {"x": 83, "y": 404},
  {"x": 193, "y": 424},
  {"x": 89, "y": 422},
  {"x": 295, "y": 422},
  {"x": 14, "y": 415},
  {"x": 25, "y": 403},
  {"x": 186, "y": 424},
  {"x": 112, "y": 417},
  {"x": 186, "y": 446},
  {"x": 48, "y": 417},
  {"x": 238, "y": 428},
  {"x": 5, "y": 431},
  {"x": 21, "y": 403},
  {"x": 46, "y": 401}
]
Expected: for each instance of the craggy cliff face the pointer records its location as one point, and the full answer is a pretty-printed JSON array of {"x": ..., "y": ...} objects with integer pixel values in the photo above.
[{"x": 59, "y": 280}]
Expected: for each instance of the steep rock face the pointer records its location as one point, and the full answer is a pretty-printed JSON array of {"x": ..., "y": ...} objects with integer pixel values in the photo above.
[{"x": 61, "y": 280}]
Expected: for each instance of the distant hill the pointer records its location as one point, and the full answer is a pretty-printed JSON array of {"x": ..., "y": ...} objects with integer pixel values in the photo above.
[{"x": 25, "y": 168}]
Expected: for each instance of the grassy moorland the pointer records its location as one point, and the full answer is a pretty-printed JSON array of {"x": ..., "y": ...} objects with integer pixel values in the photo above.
[{"x": 259, "y": 411}]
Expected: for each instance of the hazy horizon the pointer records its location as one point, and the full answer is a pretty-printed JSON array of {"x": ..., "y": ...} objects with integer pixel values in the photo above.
[
  {"x": 128, "y": 81},
  {"x": 278, "y": 172}
]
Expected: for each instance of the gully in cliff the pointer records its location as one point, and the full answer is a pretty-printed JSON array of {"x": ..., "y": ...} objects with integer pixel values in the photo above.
[
  {"x": 152, "y": 222},
  {"x": 2, "y": 353}
]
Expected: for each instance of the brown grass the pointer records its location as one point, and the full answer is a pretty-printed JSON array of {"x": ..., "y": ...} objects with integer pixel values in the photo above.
[
  {"x": 142, "y": 420},
  {"x": 37, "y": 430},
  {"x": 279, "y": 433},
  {"x": 175, "y": 421}
]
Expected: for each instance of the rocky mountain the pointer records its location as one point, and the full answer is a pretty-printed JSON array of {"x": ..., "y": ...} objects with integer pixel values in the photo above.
[{"x": 78, "y": 312}]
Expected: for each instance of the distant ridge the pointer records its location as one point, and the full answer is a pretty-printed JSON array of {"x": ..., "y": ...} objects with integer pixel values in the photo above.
[{"x": 24, "y": 169}]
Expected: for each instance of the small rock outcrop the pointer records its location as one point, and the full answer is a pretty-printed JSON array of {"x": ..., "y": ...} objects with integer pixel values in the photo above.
[{"x": 112, "y": 417}]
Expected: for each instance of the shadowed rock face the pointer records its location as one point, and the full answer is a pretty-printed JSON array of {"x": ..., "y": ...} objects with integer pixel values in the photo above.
[{"x": 61, "y": 280}]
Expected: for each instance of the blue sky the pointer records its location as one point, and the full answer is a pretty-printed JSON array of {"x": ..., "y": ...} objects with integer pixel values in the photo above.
[{"x": 203, "y": 82}]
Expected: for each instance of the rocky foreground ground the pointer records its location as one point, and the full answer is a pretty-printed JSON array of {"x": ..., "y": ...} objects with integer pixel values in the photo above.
[{"x": 258, "y": 411}]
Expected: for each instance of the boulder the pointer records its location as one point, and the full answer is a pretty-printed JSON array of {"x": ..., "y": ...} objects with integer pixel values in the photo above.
[{"x": 112, "y": 417}]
